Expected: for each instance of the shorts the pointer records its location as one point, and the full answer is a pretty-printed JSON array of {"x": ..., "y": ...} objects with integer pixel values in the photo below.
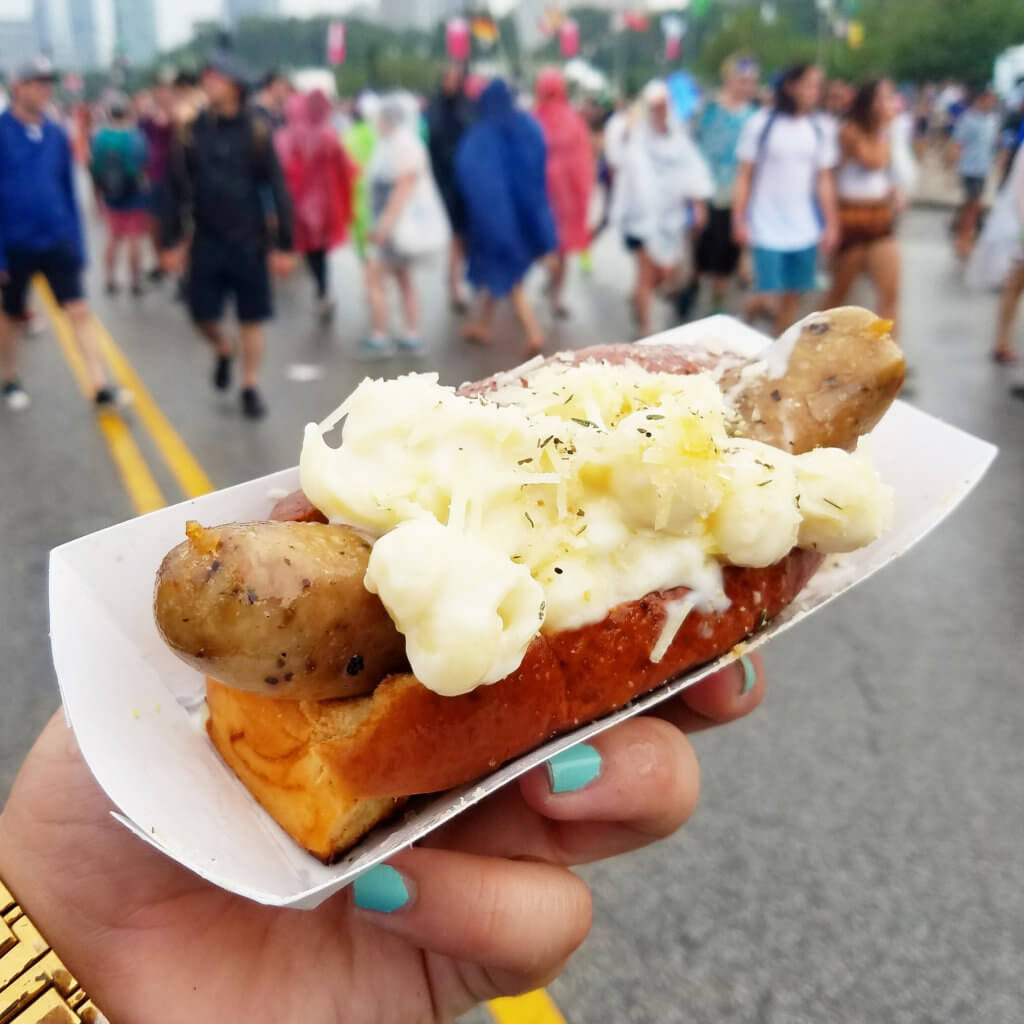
[
  {"x": 128, "y": 223},
  {"x": 776, "y": 270},
  {"x": 973, "y": 187},
  {"x": 389, "y": 256},
  {"x": 216, "y": 271},
  {"x": 60, "y": 267},
  {"x": 864, "y": 222},
  {"x": 716, "y": 252}
]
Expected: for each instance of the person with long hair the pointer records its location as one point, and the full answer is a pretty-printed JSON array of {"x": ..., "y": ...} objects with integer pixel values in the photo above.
[
  {"x": 869, "y": 198},
  {"x": 450, "y": 113},
  {"x": 500, "y": 166},
  {"x": 321, "y": 182},
  {"x": 663, "y": 184},
  {"x": 570, "y": 175},
  {"x": 784, "y": 203}
]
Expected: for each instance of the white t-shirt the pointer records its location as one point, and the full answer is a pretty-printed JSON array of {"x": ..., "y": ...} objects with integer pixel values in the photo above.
[{"x": 782, "y": 212}]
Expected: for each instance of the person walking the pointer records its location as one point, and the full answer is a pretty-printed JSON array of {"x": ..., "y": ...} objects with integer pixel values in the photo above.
[
  {"x": 973, "y": 150},
  {"x": 784, "y": 203},
  {"x": 321, "y": 181},
  {"x": 222, "y": 165},
  {"x": 870, "y": 196},
  {"x": 998, "y": 261},
  {"x": 450, "y": 113},
  {"x": 501, "y": 171},
  {"x": 40, "y": 231},
  {"x": 157, "y": 125},
  {"x": 118, "y": 171},
  {"x": 359, "y": 142},
  {"x": 409, "y": 222},
  {"x": 718, "y": 135},
  {"x": 660, "y": 191},
  {"x": 570, "y": 176}
]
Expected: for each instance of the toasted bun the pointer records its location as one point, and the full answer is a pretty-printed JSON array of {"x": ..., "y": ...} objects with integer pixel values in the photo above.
[
  {"x": 273, "y": 746},
  {"x": 327, "y": 771}
]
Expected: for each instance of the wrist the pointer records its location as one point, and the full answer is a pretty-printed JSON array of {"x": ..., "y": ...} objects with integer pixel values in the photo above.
[{"x": 33, "y": 977}]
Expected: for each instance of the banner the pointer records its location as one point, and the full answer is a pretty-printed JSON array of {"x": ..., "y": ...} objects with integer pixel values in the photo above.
[
  {"x": 456, "y": 36},
  {"x": 635, "y": 21},
  {"x": 674, "y": 28},
  {"x": 569, "y": 38},
  {"x": 336, "y": 43},
  {"x": 484, "y": 31}
]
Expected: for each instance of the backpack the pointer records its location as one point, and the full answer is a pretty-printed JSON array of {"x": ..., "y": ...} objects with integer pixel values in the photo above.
[{"x": 117, "y": 183}]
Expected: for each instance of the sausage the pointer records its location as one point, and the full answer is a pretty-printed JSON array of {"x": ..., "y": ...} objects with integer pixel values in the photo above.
[
  {"x": 823, "y": 383},
  {"x": 278, "y": 609}
]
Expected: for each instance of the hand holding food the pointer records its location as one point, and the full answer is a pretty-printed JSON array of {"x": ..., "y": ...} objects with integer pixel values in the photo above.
[{"x": 546, "y": 546}]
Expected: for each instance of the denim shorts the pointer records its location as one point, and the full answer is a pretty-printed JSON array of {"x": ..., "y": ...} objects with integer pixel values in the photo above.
[{"x": 777, "y": 270}]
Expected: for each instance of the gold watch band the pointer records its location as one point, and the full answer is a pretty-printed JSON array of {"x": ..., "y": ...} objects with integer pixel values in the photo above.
[{"x": 35, "y": 987}]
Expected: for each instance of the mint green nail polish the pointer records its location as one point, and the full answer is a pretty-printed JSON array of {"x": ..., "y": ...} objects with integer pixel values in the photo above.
[
  {"x": 381, "y": 888},
  {"x": 574, "y": 768},
  {"x": 749, "y": 675}
]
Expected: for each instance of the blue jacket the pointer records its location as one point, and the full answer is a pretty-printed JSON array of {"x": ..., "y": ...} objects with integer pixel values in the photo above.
[{"x": 38, "y": 208}]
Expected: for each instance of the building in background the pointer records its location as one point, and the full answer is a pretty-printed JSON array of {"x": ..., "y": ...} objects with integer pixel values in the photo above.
[
  {"x": 236, "y": 10},
  {"x": 18, "y": 43},
  {"x": 76, "y": 34},
  {"x": 135, "y": 31}
]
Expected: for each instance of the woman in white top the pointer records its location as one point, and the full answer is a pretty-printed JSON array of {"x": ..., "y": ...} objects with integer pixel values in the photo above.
[
  {"x": 870, "y": 195},
  {"x": 408, "y": 219},
  {"x": 661, "y": 176}
]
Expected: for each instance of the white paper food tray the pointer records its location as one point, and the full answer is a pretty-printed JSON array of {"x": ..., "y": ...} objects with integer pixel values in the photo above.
[{"x": 136, "y": 709}]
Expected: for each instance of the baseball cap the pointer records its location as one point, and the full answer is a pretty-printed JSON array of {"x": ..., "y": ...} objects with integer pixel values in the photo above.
[
  {"x": 39, "y": 69},
  {"x": 230, "y": 67}
]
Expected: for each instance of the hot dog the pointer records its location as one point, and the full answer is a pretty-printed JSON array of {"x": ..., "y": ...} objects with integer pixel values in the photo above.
[{"x": 342, "y": 749}]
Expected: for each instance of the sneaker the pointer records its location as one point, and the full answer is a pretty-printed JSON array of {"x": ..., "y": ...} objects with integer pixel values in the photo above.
[
  {"x": 222, "y": 373},
  {"x": 108, "y": 398},
  {"x": 410, "y": 344},
  {"x": 111, "y": 288},
  {"x": 138, "y": 290},
  {"x": 375, "y": 347},
  {"x": 15, "y": 396},
  {"x": 156, "y": 275},
  {"x": 253, "y": 406}
]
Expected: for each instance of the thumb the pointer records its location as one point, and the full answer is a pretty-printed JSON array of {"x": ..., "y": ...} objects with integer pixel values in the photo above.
[{"x": 513, "y": 923}]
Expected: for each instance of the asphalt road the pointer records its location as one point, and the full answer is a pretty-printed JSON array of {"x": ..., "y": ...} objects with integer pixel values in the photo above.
[{"x": 857, "y": 853}]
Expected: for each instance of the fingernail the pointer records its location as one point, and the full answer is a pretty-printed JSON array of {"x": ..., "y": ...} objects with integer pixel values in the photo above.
[
  {"x": 382, "y": 889},
  {"x": 574, "y": 768},
  {"x": 749, "y": 675}
]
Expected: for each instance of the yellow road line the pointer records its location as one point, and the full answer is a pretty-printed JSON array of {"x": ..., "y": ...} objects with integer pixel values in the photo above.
[
  {"x": 142, "y": 488},
  {"x": 180, "y": 461},
  {"x": 535, "y": 1007}
]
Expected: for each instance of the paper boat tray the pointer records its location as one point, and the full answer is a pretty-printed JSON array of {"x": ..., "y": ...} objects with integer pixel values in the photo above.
[{"x": 137, "y": 711}]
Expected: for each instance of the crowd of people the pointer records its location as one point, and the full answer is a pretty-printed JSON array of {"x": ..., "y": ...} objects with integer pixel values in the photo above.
[{"x": 783, "y": 190}]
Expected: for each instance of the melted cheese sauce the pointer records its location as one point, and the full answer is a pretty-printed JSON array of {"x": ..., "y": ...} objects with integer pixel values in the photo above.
[{"x": 542, "y": 508}]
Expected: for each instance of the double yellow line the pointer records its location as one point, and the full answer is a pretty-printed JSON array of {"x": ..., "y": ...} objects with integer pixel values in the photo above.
[
  {"x": 138, "y": 480},
  {"x": 146, "y": 496}
]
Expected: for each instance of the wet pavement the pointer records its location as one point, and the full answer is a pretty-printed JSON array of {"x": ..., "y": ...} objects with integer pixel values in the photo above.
[{"x": 856, "y": 855}]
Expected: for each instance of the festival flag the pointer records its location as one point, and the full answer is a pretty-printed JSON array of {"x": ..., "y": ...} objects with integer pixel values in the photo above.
[
  {"x": 569, "y": 38},
  {"x": 485, "y": 30},
  {"x": 336, "y": 43},
  {"x": 855, "y": 35},
  {"x": 550, "y": 22},
  {"x": 635, "y": 21},
  {"x": 456, "y": 36},
  {"x": 674, "y": 28}
]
